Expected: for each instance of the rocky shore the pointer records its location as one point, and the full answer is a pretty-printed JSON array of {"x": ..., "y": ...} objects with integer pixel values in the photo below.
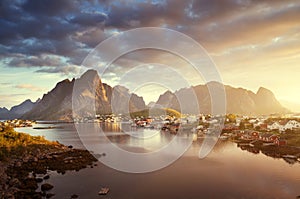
[
  {"x": 25, "y": 169},
  {"x": 290, "y": 154}
]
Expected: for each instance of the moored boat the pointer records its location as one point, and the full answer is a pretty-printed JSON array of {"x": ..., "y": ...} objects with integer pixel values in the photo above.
[
  {"x": 224, "y": 137},
  {"x": 290, "y": 156},
  {"x": 103, "y": 191}
]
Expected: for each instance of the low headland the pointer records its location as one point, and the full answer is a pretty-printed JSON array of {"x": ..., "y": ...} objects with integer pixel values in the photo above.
[{"x": 26, "y": 160}]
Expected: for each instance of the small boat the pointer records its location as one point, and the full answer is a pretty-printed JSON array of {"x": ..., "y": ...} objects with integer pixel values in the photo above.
[
  {"x": 290, "y": 156},
  {"x": 103, "y": 191},
  {"x": 223, "y": 137}
]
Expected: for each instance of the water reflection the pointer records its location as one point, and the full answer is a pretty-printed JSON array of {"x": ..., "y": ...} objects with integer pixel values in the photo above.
[
  {"x": 250, "y": 149},
  {"x": 140, "y": 140},
  {"x": 124, "y": 136},
  {"x": 289, "y": 154},
  {"x": 227, "y": 172}
]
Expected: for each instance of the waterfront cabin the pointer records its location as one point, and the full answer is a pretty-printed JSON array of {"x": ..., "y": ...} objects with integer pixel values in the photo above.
[
  {"x": 255, "y": 135},
  {"x": 250, "y": 135},
  {"x": 280, "y": 142},
  {"x": 268, "y": 137}
]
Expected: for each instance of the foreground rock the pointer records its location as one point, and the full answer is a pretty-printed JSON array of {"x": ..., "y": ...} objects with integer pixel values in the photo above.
[
  {"x": 22, "y": 168},
  {"x": 46, "y": 187}
]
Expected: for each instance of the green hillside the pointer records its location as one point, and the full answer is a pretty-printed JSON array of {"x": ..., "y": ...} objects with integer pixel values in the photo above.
[{"x": 153, "y": 112}]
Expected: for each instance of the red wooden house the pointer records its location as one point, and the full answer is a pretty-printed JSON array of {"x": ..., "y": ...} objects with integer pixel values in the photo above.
[{"x": 280, "y": 142}]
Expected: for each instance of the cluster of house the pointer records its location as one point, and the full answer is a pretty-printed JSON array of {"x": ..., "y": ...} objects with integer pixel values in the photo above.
[
  {"x": 16, "y": 123},
  {"x": 263, "y": 124},
  {"x": 259, "y": 129},
  {"x": 163, "y": 122},
  {"x": 143, "y": 122},
  {"x": 280, "y": 125},
  {"x": 284, "y": 125},
  {"x": 249, "y": 135}
]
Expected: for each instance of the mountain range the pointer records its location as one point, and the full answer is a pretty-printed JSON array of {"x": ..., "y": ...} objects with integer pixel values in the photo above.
[
  {"x": 90, "y": 96},
  {"x": 18, "y": 110},
  {"x": 238, "y": 100}
]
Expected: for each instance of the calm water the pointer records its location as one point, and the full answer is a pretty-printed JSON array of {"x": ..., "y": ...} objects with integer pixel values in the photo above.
[{"x": 227, "y": 172}]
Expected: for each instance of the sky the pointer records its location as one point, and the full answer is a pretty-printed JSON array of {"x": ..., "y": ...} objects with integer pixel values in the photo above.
[{"x": 252, "y": 43}]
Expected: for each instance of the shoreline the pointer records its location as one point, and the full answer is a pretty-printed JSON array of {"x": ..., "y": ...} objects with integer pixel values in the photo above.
[
  {"x": 291, "y": 154},
  {"x": 25, "y": 168},
  {"x": 27, "y": 173}
]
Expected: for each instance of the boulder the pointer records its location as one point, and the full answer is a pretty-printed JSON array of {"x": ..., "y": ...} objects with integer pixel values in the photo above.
[{"x": 46, "y": 187}]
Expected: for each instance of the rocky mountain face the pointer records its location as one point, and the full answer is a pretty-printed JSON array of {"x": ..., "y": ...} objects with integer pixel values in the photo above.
[
  {"x": 238, "y": 100},
  {"x": 124, "y": 102},
  {"x": 87, "y": 96},
  {"x": 84, "y": 97},
  {"x": 17, "y": 111},
  {"x": 55, "y": 104},
  {"x": 22, "y": 108}
]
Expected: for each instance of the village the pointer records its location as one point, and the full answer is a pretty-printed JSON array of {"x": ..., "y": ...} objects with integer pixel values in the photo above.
[
  {"x": 266, "y": 129},
  {"x": 277, "y": 136},
  {"x": 270, "y": 130},
  {"x": 16, "y": 123}
]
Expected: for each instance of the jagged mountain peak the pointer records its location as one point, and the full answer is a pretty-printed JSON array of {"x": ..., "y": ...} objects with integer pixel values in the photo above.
[
  {"x": 264, "y": 91},
  {"x": 239, "y": 100},
  {"x": 17, "y": 111},
  {"x": 90, "y": 74},
  {"x": 214, "y": 83},
  {"x": 57, "y": 103},
  {"x": 121, "y": 88},
  {"x": 82, "y": 97},
  {"x": 168, "y": 92},
  {"x": 4, "y": 108}
]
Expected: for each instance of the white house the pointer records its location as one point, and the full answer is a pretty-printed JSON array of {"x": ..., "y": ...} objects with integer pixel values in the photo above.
[
  {"x": 292, "y": 124},
  {"x": 275, "y": 126},
  {"x": 252, "y": 121}
]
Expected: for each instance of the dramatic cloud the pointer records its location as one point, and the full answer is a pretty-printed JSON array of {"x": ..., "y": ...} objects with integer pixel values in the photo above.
[
  {"x": 33, "y": 61},
  {"x": 54, "y": 36},
  {"x": 66, "y": 70},
  {"x": 70, "y": 29}
]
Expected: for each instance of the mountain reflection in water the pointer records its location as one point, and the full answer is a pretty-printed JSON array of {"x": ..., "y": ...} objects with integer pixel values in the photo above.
[{"x": 227, "y": 172}]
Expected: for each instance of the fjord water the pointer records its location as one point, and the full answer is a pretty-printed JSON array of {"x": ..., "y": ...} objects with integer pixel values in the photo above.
[{"x": 227, "y": 172}]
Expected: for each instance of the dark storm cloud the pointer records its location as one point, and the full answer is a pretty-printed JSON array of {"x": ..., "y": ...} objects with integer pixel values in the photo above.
[
  {"x": 35, "y": 61},
  {"x": 36, "y": 29},
  {"x": 66, "y": 70},
  {"x": 49, "y": 7},
  {"x": 89, "y": 19}
]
